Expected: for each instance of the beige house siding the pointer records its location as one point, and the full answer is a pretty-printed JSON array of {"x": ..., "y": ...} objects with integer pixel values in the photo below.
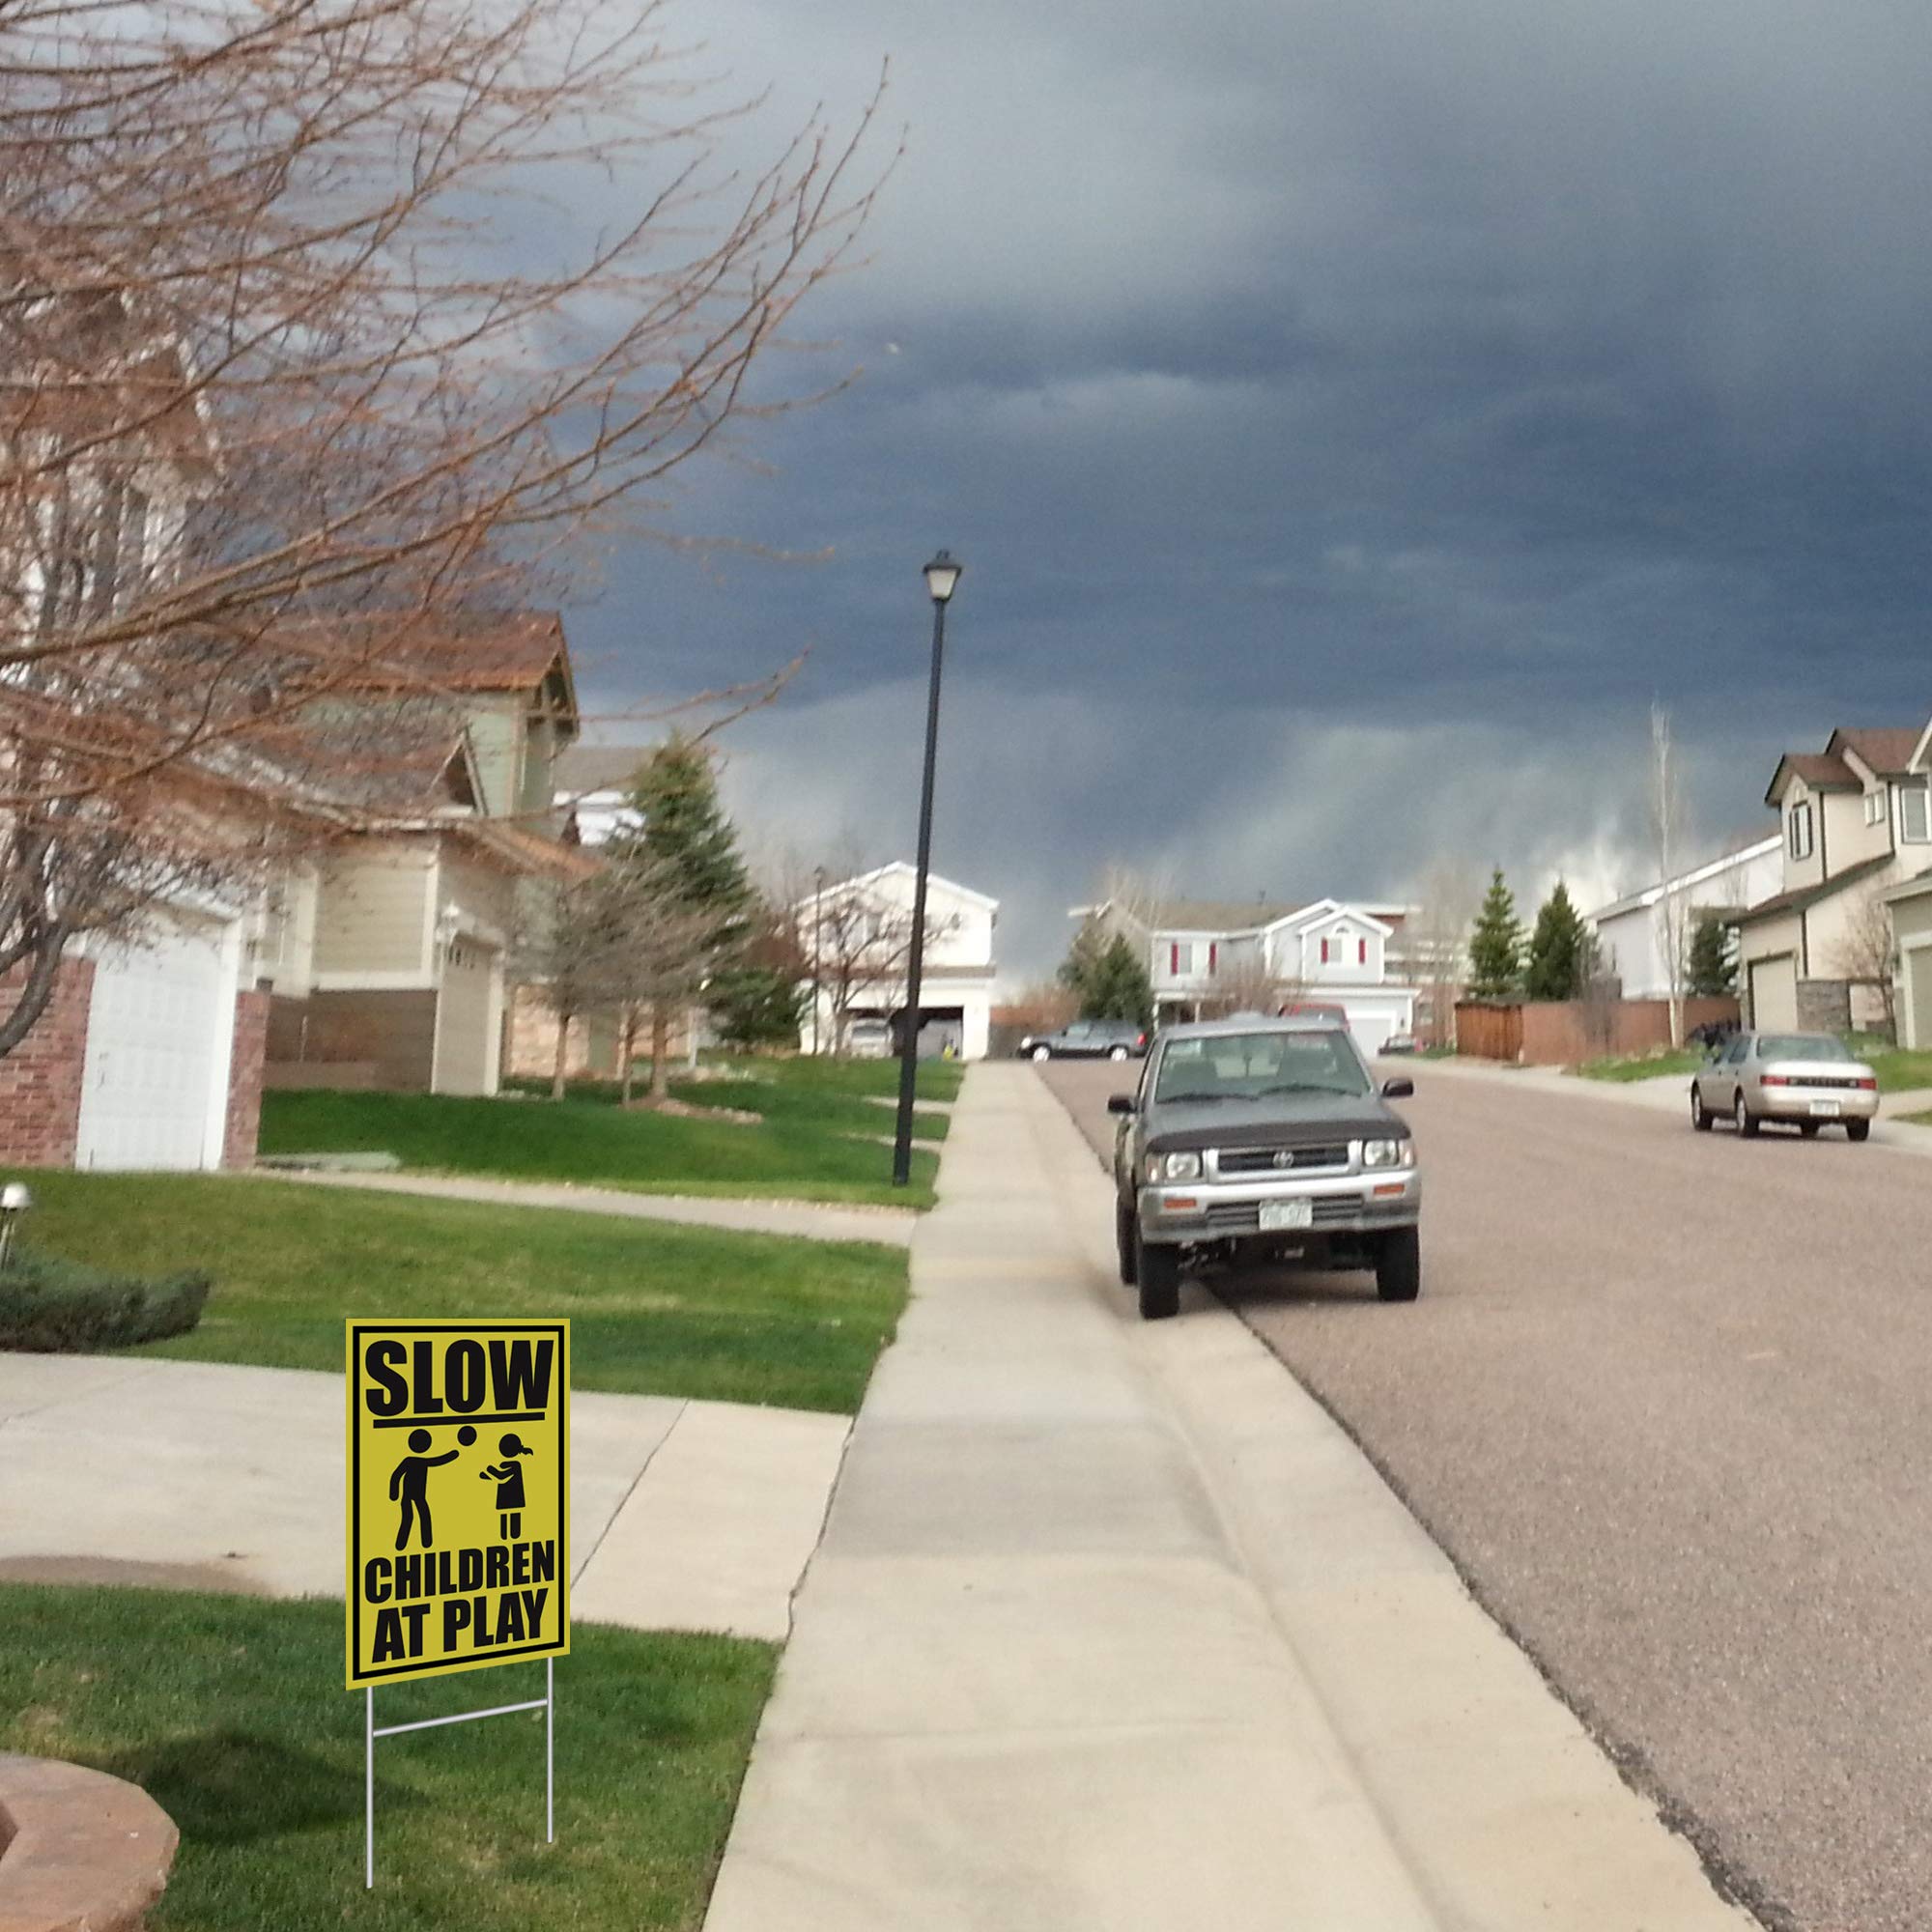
[
  {"x": 1912, "y": 928},
  {"x": 479, "y": 897},
  {"x": 1848, "y": 840},
  {"x": 1829, "y": 924},
  {"x": 1807, "y": 871},
  {"x": 373, "y": 915},
  {"x": 497, "y": 739}
]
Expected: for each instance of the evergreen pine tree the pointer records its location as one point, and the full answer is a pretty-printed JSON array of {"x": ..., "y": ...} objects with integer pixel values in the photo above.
[
  {"x": 1077, "y": 971},
  {"x": 1559, "y": 950},
  {"x": 1712, "y": 970},
  {"x": 1118, "y": 988},
  {"x": 1496, "y": 945},
  {"x": 685, "y": 838}
]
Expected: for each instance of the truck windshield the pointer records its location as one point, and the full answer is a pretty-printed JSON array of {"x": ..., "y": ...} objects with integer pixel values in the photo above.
[{"x": 1255, "y": 1066}]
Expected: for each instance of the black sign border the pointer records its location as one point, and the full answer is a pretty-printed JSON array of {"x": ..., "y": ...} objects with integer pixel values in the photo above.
[{"x": 560, "y": 1328}]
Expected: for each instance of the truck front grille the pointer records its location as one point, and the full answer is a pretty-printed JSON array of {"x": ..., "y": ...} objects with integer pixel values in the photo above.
[{"x": 1264, "y": 1160}]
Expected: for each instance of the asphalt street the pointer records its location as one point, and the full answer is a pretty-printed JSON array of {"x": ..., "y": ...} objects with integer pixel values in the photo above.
[{"x": 1666, "y": 1402}]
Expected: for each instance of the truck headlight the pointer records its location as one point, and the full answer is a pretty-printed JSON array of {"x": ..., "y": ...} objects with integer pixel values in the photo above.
[
  {"x": 1386, "y": 1154},
  {"x": 1174, "y": 1167}
]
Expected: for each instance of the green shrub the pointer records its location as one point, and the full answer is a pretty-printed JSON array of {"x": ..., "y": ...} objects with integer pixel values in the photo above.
[{"x": 55, "y": 1307}]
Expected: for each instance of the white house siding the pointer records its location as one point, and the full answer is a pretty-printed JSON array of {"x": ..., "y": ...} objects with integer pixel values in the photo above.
[{"x": 1630, "y": 933}]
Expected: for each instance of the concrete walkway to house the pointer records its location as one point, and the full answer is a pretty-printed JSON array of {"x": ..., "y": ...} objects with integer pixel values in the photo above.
[
  {"x": 1113, "y": 1631},
  {"x": 683, "y": 1515},
  {"x": 810, "y": 1220}
]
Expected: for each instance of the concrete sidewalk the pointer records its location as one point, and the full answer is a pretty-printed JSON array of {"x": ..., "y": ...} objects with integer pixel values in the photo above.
[
  {"x": 683, "y": 1515},
  {"x": 1112, "y": 1629},
  {"x": 810, "y": 1220}
]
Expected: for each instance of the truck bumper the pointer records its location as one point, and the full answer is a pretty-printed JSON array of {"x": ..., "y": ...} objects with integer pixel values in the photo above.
[{"x": 1368, "y": 1203}]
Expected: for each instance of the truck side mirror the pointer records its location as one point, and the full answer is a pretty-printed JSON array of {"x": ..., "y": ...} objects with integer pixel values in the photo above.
[
  {"x": 1119, "y": 1103},
  {"x": 1398, "y": 1089}
]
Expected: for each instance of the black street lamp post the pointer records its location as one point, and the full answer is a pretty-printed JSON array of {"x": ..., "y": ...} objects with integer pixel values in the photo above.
[{"x": 941, "y": 575}]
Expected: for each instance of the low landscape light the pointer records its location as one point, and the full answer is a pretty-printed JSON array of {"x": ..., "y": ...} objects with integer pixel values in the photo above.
[{"x": 15, "y": 1201}]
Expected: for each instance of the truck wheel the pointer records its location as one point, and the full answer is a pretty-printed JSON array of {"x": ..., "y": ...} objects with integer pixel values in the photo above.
[
  {"x": 1157, "y": 1268},
  {"x": 1117, "y": 1053},
  {"x": 1043, "y": 1053},
  {"x": 1127, "y": 1232},
  {"x": 1399, "y": 1266}
]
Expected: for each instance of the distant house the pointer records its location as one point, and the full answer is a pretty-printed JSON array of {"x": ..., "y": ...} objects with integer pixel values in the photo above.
[
  {"x": 1631, "y": 933},
  {"x": 857, "y": 936},
  {"x": 390, "y": 961},
  {"x": 1204, "y": 954},
  {"x": 1909, "y": 902},
  {"x": 1855, "y": 822}
]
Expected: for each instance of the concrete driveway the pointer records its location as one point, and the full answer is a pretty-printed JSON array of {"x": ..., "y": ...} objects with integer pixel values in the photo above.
[{"x": 1666, "y": 1400}]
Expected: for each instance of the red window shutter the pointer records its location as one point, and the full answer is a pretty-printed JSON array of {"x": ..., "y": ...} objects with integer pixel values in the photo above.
[
  {"x": 1325, "y": 952},
  {"x": 1174, "y": 961},
  {"x": 1213, "y": 951},
  {"x": 1361, "y": 952}
]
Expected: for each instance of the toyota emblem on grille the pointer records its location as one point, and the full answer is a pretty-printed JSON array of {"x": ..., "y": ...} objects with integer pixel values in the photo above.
[{"x": 1284, "y": 1159}]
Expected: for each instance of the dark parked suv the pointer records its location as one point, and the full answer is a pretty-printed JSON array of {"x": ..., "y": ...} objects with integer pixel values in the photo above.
[
  {"x": 1086, "y": 1039},
  {"x": 1265, "y": 1139}
]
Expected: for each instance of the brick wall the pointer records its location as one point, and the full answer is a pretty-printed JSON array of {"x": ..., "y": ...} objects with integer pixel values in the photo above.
[
  {"x": 40, "y": 1080},
  {"x": 244, "y": 1080}
]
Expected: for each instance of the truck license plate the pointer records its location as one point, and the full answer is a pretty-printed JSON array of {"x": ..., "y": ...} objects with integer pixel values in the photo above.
[
  {"x": 1298, "y": 1213},
  {"x": 1829, "y": 1109}
]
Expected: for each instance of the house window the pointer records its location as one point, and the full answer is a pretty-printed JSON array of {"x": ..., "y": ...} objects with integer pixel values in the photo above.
[
  {"x": 1798, "y": 832},
  {"x": 1874, "y": 808},
  {"x": 1180, "y": 958},
  {"x": 1914, "y": 820}
]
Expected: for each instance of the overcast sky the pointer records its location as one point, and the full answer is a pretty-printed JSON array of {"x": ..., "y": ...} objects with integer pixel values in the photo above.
[{"x": 1351, "y": 415}]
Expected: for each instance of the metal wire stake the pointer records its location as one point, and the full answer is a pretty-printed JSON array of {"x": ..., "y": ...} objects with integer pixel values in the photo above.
[
  {"x": 369, "y": 1787},
  {"x": 550, "y": 1751}
]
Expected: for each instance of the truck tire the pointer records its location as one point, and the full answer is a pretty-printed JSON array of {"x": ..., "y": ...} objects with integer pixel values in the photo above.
[
  {"x": 1126, "y": 1233},
  {"x": 1157, "y": 1270},
  {"x": 1399, "y": 1266}
]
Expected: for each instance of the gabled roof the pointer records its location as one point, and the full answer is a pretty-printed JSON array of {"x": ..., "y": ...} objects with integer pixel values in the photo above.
[
  {"x": 932, "y": 879},
  {"x": 1311, "y": 915},
  {"x": 508, "y": 653},
  {"x": 1802, "y": 896},
  {"x": 583, "y": 769},
  {"x": 1648, "y": 895},
  {"x": 1822, "y": 771},
  {"x": 1885, "y": 751}
]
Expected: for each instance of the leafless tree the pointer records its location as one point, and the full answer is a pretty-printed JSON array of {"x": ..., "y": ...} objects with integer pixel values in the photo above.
[
  {"x": 570, "y": 953},
  {"x": 1247, "y": 984},
  {"x": 1435, "y": 937},
  {"x": 1866, "y": 952},
  {"x": 860, "y": 940},
  {"x": 1135, "y": 896},
  {"x": 1666, "y": 825},
  {"x": 301, "y": 376}
]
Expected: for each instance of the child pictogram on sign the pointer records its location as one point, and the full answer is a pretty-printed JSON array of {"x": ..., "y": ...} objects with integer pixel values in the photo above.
[
  {"x": 409, "y": 1486},
  {"x": 509, "y": 1480}
]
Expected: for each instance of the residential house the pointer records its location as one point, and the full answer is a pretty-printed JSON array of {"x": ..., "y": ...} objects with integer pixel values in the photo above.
[
  {"x": 857, "y": 934},
  {"x": 147, "y": 1053},
  {"x": 1203, "y": 955},
  {"x": 1632, "y": 947},
  {"x": 1909, "y": 903},
  {"x": 390, "y": 958},
  {"x": 1854, "y": 821}
]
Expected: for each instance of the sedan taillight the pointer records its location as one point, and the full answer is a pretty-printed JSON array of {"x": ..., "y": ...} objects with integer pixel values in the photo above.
[
  {"x": 1773, "y": 1080},
  {"x": 1868, "y": 1085}
]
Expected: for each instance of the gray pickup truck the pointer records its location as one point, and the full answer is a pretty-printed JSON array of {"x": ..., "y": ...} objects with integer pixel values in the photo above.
[{"x": 1256, "y": 1139}]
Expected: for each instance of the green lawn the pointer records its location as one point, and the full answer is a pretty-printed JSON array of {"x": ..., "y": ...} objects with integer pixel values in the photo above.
[
  {"x": 818, "y": 1137},
  {"x": 655, "y": 1308},
  {"x": 231, "y": 1714},
  {"x": 1898, "y": 1071},
  {"x": 1643, "y": 1066}
]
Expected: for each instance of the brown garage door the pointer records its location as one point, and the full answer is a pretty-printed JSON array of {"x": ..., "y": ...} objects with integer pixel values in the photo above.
[{"x": 1773, "y": 994}]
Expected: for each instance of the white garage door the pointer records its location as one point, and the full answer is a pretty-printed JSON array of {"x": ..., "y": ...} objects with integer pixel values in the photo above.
[
  {"x": 466, "y": 1020},
  {"x": 1918, "y": 1000},
  {"x": 1370, "y": 1030},
  {"x": 1773, "y": 991},
  {"x": 154, "y": 1089}
]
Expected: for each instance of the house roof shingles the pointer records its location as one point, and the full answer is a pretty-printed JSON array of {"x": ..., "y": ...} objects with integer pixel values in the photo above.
[
  {"x": 1798, "y": 897},
  {"x": 1887, "y": 749}
]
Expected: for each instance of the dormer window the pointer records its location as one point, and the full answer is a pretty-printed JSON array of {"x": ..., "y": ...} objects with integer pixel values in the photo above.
[
  {"x": 1798, "y": 830},
  {"x": 1915, "y": 819}
]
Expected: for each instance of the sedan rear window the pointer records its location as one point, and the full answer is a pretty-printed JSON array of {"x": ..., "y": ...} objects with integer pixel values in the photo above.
[
  {"x": 1249, "y": 1065},
  {"x": 1800, "y": 1046}
]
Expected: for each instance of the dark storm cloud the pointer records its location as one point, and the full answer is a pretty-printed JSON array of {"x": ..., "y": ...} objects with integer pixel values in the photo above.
[{"x": 1351, "y": 416}]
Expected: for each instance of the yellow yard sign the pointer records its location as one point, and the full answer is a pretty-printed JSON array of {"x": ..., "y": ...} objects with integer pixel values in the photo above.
[{"x": 459, "y": 1496}]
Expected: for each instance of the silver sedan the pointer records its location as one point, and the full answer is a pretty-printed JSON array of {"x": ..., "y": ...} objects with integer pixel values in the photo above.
[{"x": 1805, "y": 1079}]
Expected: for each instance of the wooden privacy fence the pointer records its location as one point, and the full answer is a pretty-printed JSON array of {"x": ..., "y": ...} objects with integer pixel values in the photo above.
[{"x": 1563, "y": 1032}]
